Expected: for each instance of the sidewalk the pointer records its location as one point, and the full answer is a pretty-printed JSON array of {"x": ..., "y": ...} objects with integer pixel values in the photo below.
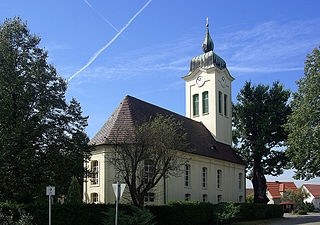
[{"x": 290, "y": 219}]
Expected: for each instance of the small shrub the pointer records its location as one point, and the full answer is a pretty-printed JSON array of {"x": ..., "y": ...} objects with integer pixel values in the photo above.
[
  {"x": 130, "y": 215},
  {"x": 226, "y": 212},
  {"x": 309, "y": 207},
  {"x": 14, "y": 214},
  {"x": 301, "y": 212}
]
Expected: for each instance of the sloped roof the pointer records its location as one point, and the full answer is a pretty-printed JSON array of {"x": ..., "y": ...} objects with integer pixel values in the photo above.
[
  {"x": 314, "y": 189},
  {"x": 133, "y": 111},
  {"x": 274, "y": 188}
]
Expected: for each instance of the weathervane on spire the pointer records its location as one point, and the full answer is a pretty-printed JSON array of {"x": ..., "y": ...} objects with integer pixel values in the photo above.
[{"x": 207, "y": 45}]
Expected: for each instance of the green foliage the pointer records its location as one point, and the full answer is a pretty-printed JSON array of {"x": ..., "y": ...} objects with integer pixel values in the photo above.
[
  {"x": 309, "y": 207},
  {"x": 42, "y": 139},
  {"x": 301, "y": 212},
  {"x": 296, "y": 197},
  {"x": 257, "y": 211},
  {"x": 14, "y": 214},
  {"x": 250, "y": 198},
  {"x": 304, "y": 122},
  {"x": 225, "y": 213},
  {"x": 153, "y": 143},
  {"x": 258, "y": 118},
  {"x": 130, "y": 215},
  {"x": 74, "y": 192}
]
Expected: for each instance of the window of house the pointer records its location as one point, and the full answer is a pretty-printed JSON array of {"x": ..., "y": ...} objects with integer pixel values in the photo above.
[
  {"x": 204, "y": 177},
  {"x": 219, "y": 198},
  {"x": 219, "y": 178},
  {"x": 94, "y": 198},
  {"x": 187, "y": 197},
  {"x": 205, "y": 102},
  {"x": 240, "y": 198},
  {"x": 187, "y": 175},
  {"x": 240, "y": 181},
  {"x": 196, "y": 105},
  {"x": 204, "y": 197},
  {"x": 148, "y": 171},
  {"x": 225, "y": 105},
  {"x": 95, "y": 172},
  {"x": 149, "y": 197},
  {"x": 220, "y": 102}
]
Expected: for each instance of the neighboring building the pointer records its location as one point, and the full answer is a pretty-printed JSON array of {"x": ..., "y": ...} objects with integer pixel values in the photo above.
[
  {"x": 276, "y": 189},
  {"x": 214, "y": 172},
  {"x": 314, "y": 191}
]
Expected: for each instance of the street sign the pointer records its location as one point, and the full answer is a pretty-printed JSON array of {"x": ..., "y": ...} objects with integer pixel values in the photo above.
[
  {"x": 50, "y": 190},
  {"x": 115, "y": 189}
]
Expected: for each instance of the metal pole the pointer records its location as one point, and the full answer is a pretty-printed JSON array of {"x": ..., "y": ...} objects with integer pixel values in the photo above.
[
  {"x": 117, "y": 201},
  {"x": 49, "y": 209}
]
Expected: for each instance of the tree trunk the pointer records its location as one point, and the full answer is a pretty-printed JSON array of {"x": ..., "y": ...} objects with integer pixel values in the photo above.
[{"x": 259, "y": 184}]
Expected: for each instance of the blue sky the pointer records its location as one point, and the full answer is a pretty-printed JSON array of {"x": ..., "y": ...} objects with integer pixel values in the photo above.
[{"x": 262, "y": 41}]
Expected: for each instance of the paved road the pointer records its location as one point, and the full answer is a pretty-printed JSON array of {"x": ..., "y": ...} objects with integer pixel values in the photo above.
[{"x": 289, "y": 219}]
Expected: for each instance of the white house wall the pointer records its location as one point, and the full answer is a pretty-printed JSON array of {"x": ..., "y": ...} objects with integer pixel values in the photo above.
[{"x": 175, "y": 189}]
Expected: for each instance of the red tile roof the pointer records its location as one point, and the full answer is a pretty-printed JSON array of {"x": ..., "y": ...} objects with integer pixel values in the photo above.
[
  {"x": 133, "y": 111},
  {"x": 314, "y": 189},
  {"x": 274, "y": 188}
]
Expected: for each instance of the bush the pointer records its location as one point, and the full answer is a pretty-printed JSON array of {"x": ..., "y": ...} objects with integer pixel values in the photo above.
[
  {"x": 256, "y": 211},
  {"x": 14, "y": 214},
  {"x": 309, "y": 207},
  {"x": 301, "y": 212},
  {"x": 130, "y": 215},
  {"x": 225, "y": 213}
]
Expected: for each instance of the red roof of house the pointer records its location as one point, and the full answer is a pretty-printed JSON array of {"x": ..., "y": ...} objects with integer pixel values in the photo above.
[
  {"x": 274, "y": 188},
  {"x": 314, "y": 189},
  {"x": 286, "y": 203}
]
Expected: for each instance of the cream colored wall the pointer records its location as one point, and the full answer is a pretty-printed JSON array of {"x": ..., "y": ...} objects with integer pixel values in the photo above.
[
  {"x": 217, "y": 123},
  {"x": 175, "y": 189}
]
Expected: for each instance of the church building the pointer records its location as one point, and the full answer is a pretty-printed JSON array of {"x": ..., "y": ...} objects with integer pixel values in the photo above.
[{"x": 214, "y": 172}]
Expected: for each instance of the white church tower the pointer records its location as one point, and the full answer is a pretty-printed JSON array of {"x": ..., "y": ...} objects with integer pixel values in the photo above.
[{"x": 208, "y": 92}]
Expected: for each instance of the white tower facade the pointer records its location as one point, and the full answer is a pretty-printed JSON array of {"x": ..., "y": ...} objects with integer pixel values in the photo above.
[{"x": 208, "y": 92}]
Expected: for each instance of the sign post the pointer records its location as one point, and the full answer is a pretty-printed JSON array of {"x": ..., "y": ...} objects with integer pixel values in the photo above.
[
  {"x": 118, "y": 191},
  {"x": 50, "y": 191}
]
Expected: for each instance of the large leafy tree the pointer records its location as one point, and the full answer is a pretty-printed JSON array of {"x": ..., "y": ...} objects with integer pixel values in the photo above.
[
  {"x": 149, "y": 154},
  {"x": 304, "y": 122},
  {"x": 42, "y": 139},
  {"x": 258, "y": 119}
]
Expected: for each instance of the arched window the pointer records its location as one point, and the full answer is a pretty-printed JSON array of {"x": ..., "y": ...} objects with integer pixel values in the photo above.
[
  {"x": 205, "y": 102},
  {"x": 148, "y": 171},
  {"x": 204, "y": 177},
  {"x": 240, "y": 181},
  {"x": 240, "y": 198},
  {"x": 196, "y": 105},
  {"x": 225, "y": 104},
  {"x": 219, "y": 178},
  {"x": 94, "y": 198},
  {"x": 187, "y": 175},
  {"x": 220, "y": 102},
  {"x": 95, "y": 172}
]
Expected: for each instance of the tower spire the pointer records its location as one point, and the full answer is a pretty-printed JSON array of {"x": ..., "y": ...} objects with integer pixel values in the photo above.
[{"x": 207, "y": 45}]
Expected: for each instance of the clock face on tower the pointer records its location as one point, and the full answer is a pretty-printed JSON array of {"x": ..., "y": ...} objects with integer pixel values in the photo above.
[{"x": 200, "y": 81}]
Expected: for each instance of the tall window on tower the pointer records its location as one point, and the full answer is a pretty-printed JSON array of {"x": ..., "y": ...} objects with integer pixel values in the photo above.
[
  {"x": 94, "y": 172},
  {"x": 196, "y": 105},
  {"x": 205, "y": 102},
  {"x": 220, "y": 102},
  {"x": 225, "y": 105}
]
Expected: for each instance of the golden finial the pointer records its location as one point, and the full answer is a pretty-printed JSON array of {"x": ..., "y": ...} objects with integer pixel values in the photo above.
[{"x": 207, "y": 22}]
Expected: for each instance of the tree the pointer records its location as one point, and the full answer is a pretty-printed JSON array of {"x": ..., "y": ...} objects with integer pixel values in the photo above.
[
  {"x": 304, "y": 122},
  {"x": 258, "y": 119},
  {"x": 149, "y": 154},
  {"x": 74, "y": 191},
  {"x": 42, "y": 139},
  {"x": 296, "y": 197}
]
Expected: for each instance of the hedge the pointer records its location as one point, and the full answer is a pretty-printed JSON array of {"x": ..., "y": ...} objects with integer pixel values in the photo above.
[{"x": 174, "y": 213}]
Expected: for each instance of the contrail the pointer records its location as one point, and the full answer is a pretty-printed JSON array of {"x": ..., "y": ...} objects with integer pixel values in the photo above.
[
  {"x": 110, "y": 42},
  {"x": 99, "y": 14}
]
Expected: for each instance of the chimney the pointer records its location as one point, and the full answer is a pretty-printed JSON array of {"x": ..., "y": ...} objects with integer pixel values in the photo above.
[{"x": 282, "y": 188}]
